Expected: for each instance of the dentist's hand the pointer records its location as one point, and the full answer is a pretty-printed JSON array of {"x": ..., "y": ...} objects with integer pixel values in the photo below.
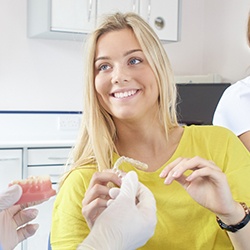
[
  {"x": 129, "y": 220},
  {"x": 14, "y": 216}
]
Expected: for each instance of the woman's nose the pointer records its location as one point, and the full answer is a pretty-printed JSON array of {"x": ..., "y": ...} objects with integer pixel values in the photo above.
[{"x": 119, "y": 76}]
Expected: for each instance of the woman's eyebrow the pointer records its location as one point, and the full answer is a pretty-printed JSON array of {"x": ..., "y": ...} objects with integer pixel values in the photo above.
[
  {"x": 101, "y": 58},
  {"x": 125, "y": 54},
  {"x": 132, "y": 51}
]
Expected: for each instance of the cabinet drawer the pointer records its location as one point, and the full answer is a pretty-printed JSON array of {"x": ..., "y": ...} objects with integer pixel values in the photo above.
[
  {"x": 48, "y": 156},
  {"x": 55, "y": 172},
  {"x": 10, "y": 166}
]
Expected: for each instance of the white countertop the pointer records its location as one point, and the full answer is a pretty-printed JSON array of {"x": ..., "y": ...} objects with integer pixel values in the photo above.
[
  {"x": 37, "y": 144},
  {"x": 18, "y": 130}
]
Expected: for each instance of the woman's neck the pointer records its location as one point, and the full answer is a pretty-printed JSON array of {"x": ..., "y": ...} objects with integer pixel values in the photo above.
[{"x": 148, "y": 144}]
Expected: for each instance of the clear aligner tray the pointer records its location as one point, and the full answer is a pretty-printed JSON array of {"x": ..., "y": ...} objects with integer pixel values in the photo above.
[{"x": 135, "y": 163}]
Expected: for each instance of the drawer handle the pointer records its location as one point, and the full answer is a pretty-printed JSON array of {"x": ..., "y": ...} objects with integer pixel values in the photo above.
[
  {"x": 90, "y": 9},
  {"x": 9, "y": 159},
  {"x": 134, "y": 4},
  {"x": 149, "y": 10},
  {"x": 57, "y": 158},
  {"x": 55, "y": 175}
]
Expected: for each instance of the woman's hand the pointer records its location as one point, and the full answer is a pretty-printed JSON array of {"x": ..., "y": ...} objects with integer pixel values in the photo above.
[
  {"x": 112, "y": 230},
  {"x": 207, "y": 184},
  {"x": 97, "y": 195}
]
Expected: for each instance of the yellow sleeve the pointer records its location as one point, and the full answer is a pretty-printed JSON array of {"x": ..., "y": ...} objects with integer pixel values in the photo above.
[{"x": 69, "y": 227}]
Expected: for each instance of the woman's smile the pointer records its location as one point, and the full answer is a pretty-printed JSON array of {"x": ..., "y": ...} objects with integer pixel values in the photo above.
[{"x": 125, "y": 93}]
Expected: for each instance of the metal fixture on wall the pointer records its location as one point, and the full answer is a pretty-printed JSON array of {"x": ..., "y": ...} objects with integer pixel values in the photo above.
[{"x": 159, "y": 23}]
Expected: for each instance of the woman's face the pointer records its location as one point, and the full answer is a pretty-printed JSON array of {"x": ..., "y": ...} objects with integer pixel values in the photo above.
[{"x": 125, "y": 84}]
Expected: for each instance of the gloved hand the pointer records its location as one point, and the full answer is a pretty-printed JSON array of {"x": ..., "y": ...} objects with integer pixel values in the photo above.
[
  {"x": 125, "y": 224},
  {"x": 10, "y": 196},
  {"x": 13, "y": 216}
]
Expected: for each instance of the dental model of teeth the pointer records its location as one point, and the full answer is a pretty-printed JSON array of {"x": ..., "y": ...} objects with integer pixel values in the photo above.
[
  {"x": 35, "y": 188},
  {"x": 136, "y": 163}
]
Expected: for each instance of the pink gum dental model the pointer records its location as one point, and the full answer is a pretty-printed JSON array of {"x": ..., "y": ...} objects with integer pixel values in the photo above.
[{"x": 35, "y": 188}]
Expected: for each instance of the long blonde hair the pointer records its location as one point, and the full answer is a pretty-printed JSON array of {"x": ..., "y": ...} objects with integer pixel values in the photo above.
[{"x": 95, "y": 145}]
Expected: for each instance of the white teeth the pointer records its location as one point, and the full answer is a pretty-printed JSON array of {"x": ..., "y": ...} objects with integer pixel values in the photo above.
[{"x": 124, "y": 94}]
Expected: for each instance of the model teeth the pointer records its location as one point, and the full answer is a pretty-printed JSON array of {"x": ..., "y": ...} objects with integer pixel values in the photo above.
[
  {"x": 124, "y": 94},
  {"x": 32, "y": 180}
]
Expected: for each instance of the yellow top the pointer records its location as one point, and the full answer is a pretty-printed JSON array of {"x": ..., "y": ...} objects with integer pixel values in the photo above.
[{"x": 182, "y": 223}]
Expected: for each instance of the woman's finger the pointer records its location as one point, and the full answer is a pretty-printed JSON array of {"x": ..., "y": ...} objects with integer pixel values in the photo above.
[
  {"x": 104, "y": 178},
  {"x": 91, "y": 211},
  {"x": 97, "y": 191},
  {"x": 206, "y": 172},
  {"x": 169, "y": 167},
  {"x": 192, "y": 164}
]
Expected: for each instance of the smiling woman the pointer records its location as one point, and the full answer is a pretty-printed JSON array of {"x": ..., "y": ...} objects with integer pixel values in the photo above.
[
  {"x": 125, "y": 84},
  {"x": 195, "y": 173}
]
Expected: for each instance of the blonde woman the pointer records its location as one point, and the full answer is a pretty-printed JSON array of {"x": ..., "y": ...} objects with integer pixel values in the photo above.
[{"x": 196, "y": 173}]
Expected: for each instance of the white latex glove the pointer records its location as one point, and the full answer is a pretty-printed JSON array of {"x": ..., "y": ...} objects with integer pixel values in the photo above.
[
  {"x": 10, "y": 196},
  {"x": 13, "y": 216},
  {"x": 125, "y": 224}
]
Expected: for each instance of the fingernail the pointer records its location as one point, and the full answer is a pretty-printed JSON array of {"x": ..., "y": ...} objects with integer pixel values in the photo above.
[
  {"x": 109, "y": 202},
  {"x": 31, "y": 229},
  {"x": 175, "y": 174},
  {"x": 36, "y": 226},
  {"x": 32, "y": 213},
  {"x": 161, "y": 175},
  {"x": 167, "y": 181}
]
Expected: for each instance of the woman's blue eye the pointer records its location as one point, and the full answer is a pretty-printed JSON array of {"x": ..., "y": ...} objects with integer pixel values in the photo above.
[
  {"x": 134, "y": 61},
  {"x": 103, "y": 67}
]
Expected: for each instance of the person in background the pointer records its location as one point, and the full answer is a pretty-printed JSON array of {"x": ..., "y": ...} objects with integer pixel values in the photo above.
[
  {"x": 233, "y": 109},
  {"x": 199, "y": 175},
  {"x": 111, "y": 229}
]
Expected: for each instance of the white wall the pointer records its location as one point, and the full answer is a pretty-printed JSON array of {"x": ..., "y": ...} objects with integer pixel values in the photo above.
[
  {"x": 213, "y": 39},
  {"x": 186, "y": 56},
  {"x": 39, "y": 74},
  {"x": 226, "y": 49},
  {"x": 36, "y": 74}
]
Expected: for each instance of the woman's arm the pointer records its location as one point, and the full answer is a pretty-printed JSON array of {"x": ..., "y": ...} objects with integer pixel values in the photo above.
[
  {"x": 208, "y": 186},
  {"x": 239, "y": 239},
  {"x": 245, "y": 138}
]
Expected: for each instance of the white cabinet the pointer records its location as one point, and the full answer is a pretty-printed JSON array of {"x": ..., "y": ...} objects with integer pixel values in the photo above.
[
  {"x": 10, "y": 169},
  {"x": 116, "y": 6},
  {"x": 45, "y": 161},
  {"x": 163, "y": 17},
  {"x": 80, "y": 16},
  {"x": 73, "y": 16},
  {"x": 71, "y": 19},
  {"x": 36, "y": 143},
  {"x": 35, "y": 161},
  {"x": 10, "y": 166}
]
